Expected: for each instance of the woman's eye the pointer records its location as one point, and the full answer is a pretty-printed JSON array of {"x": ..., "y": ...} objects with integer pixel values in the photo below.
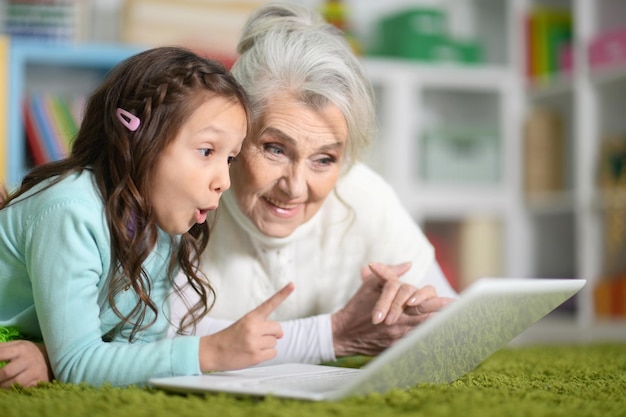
[
  {"x": 326, "y": 160},
  {"x": 205, "y": 151},
  {"x": 273, "y": 149}
]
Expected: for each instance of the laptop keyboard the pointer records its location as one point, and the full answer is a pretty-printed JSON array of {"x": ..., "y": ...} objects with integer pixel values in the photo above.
[{"x": 311, "y": 382}]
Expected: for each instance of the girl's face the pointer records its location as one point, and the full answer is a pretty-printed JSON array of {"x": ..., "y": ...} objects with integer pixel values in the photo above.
[
  {"x": 192, "y": 171},
  {"x": 287, "y": 170}
]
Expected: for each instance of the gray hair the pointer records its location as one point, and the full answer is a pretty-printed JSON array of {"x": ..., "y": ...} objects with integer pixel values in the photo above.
[{"x": 289, "y": 48}]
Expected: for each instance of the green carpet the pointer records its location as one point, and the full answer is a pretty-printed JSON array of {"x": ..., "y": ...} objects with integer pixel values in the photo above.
[{"x": 586, "y": 380}]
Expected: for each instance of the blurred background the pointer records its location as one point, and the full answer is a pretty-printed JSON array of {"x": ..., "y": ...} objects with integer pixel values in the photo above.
[{"x": 502, "y": 123}]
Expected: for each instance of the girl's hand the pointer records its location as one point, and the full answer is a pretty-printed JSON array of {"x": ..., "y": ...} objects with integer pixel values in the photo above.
[
  {"x": 27, "y": 364},
  {"x": 247, "y": 342}
]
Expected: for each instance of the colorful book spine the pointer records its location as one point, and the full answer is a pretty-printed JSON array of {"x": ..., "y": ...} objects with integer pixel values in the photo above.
[
  {"x": 50, "y": 126},
  {"x": 34, "y": 139},
  {"x": 549, "y": 33},
  {"x": 610, "y": 297},
  {"x": 64, "y": 119},
  {"x": 42, "y": 19},
  {"x": 42, "y": 118}
]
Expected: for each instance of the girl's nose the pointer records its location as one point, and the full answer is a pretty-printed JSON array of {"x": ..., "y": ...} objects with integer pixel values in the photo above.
[{"x": 221, "y": 182}]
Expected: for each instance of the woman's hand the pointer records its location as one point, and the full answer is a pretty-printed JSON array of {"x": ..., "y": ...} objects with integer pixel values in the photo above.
[
  {"x": 27, "y": 364},
  {"x": 247, "y": 342},
  {"x": 382, "y": 311},
  {"x": 399, "y": 298}
]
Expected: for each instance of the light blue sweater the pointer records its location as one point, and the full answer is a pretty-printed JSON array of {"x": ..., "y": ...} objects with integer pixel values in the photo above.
[{"x": 54, "y": 264}]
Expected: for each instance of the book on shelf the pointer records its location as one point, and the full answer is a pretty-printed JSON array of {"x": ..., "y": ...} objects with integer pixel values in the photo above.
[
  {"x": 42, "y": 19},
  {"x": 611, "y": 180},
  {"x": 544, "y": 154},
  {"x": 211, "y": 28},
  {"x": 466, "y": 249},
  {"x": 50, "y": 126},
  {"x": 480, "y": 249},
  {"x": 548, "y": 38},
  {"x": 610, "y": 297},
  {"x": 34, "y": 140},
  {"x": 444, "y": 238}
]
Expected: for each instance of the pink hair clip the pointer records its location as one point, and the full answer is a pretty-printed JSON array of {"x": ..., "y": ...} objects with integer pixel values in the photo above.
[{"x": 128, "y": 119}]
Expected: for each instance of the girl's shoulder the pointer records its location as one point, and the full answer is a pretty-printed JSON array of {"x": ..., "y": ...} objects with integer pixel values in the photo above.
[{"x": 75, "y": 189}]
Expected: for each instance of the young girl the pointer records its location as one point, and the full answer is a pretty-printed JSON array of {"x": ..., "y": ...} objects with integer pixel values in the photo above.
[{"x": 89, "y": 245}]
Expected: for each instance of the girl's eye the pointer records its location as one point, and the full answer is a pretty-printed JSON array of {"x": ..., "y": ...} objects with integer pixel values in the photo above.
[
  {"x": 231, "y": 159},
  {"x": 205, "y": 151}
]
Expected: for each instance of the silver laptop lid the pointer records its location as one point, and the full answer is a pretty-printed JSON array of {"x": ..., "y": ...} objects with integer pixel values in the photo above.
[{"x": 487, "y": 315}]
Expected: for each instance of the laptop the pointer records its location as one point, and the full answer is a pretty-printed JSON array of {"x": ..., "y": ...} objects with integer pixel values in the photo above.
[{"x": 485, "y": 317}]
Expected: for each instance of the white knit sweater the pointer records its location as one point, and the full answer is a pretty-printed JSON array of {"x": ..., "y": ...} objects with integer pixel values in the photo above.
[{"x": 362, "y": 221}]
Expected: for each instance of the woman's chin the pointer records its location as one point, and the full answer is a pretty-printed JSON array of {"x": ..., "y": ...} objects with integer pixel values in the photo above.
[{"x": 276, "y": 230}]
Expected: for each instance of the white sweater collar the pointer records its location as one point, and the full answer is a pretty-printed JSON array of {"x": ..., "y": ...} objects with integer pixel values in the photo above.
[{"x": 258, "y": 238}]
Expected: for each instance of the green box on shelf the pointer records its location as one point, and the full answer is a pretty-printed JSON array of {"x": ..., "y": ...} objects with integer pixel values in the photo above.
[
  {"x": 422, "y": 34},
  {"x": 461, "y": 155},
  {"x": 411, "y": 33},
  {"x": 469, "y": 51}
]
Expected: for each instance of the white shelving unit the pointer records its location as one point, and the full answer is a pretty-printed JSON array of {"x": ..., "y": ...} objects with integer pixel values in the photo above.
[
  {"x": 416, "y": 97},
  {"x": 412, "y": 98},
  {"x": 587, "y": 103},
  {"x": 54, "y": 67},
  {"x": 559, "y": 234}
]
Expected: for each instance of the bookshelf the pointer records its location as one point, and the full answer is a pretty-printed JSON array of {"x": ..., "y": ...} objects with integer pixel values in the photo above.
[
  {"x": 448, "y": 137},
  {"x": 52, "y": 68},
  {"x": 557, "y": 233},
  {"x": 587, "y": 98}
]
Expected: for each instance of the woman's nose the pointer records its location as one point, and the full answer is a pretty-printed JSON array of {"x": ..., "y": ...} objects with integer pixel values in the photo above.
[{"x": 293, "y": 181}]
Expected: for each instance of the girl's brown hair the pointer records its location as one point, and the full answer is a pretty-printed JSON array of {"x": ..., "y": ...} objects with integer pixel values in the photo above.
[{"x": 162, "y": 87}]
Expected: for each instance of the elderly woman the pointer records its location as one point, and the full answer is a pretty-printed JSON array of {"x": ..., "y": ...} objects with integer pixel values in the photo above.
[{"x": 302, "y": 208}]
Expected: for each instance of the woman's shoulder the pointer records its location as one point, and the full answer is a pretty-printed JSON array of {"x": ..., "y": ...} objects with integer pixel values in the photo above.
[{"x": 361, "y": 181}]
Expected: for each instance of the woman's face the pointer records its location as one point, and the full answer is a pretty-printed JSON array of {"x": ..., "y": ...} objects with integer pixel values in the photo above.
[
  {"x": 192, "y": 172},
  {"x": 286, "y": 171}
]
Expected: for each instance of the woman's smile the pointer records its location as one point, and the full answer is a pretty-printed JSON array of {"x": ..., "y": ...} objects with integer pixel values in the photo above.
[{"x": 283, "y": 210}]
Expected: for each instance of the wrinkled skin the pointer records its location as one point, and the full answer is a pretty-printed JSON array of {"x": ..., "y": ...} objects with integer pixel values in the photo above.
[{"x": 382, "y": 311}]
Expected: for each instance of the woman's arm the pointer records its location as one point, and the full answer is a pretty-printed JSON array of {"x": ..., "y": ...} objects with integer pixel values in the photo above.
[{"x": 350, "y": 331}]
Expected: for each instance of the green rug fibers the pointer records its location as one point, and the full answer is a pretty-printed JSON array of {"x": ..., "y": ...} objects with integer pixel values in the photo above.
[{"x": 550, "y": 381}]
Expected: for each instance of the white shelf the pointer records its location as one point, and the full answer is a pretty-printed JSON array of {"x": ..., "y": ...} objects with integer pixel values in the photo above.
[
  {"x": 459, "y": 201},
  {"x": 438, "y": 75},
  {"x": 562, "y": 329},
  {"x": 605, "y": 76},
  {"x": 552, "y": 203},
  {"x": 558, "y": 86}
]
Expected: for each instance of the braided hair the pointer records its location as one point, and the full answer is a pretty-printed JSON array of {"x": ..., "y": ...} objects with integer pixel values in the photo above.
[{"x": 162, "y": 87}]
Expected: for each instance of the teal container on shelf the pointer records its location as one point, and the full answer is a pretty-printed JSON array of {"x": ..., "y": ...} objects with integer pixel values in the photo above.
[{"x": 461, "y": 155}]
